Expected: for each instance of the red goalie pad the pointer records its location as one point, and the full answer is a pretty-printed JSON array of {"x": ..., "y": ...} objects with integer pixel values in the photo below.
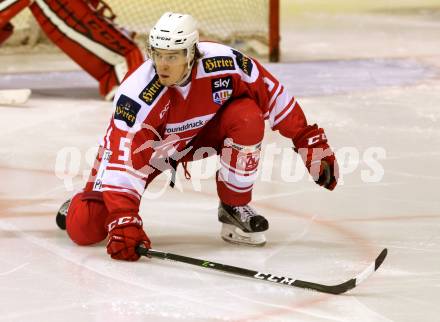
[
  {"x": 5, "y": 32},
  {"x": 94, "y": 42},
  {"x": 9, "y": 9}
]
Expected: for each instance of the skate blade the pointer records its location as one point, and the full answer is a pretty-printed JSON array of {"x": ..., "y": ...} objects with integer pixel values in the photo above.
[{"x": 235, "y": 235}]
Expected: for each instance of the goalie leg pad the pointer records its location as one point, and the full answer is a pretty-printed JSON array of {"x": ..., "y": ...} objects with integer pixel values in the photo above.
[
  {"x": 10, "y": 8},
  {"x": 6, "y": 32},
  {"x": 90, "y": 39}
]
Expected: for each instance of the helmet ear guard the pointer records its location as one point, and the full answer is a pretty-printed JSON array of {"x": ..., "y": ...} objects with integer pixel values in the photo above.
[{"x": 190, "y": 53}]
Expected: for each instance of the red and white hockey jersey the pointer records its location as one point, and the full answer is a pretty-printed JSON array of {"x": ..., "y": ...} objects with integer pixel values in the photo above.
[{"x": 151, "y": 121}]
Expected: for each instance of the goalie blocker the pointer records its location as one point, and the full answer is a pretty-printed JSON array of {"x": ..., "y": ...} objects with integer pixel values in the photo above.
[{"x": 85, "y": 31}]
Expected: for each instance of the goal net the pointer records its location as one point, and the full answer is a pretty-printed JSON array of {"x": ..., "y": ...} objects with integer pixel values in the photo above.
[{"x": 250, "y": 25}]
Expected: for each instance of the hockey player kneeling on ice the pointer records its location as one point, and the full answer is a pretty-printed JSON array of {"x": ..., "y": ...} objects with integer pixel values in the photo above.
[{"x": 187, "y": 97}]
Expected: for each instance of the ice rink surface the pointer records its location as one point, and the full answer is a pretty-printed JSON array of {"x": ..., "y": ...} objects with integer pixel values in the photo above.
[{"x": 380, "y": 107}]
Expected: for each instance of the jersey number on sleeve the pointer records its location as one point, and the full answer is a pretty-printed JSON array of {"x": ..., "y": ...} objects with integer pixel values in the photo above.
[{"x": 124, "y": 147}]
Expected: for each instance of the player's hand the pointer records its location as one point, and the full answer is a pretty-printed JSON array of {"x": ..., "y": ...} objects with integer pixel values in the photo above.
[
  {"x": 125, "y": 234},
  {"x": 327, "y": 177},
  {"x": 318, "y": 157}
]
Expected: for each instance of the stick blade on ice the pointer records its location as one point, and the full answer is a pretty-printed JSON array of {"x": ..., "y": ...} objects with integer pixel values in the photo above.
[{"x": 14, "y": 96}]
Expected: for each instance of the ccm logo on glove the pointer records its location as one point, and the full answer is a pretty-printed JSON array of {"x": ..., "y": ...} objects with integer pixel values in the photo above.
[
  {"x": 123, "y": 221},
  {"x": 319, "y": 159},
  {"x": 317, "y": 138},
  {"x": 125, "y": 234}
]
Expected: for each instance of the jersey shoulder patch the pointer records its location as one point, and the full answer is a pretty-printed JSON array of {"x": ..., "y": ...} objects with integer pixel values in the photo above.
[
  {"x": 126, "y": 110},
  {"x": 218, "y": 63},
  {"x": 243, "y": 62},
  {"x": 150, "y": 93},
  {"x": 220, "y": 60}
]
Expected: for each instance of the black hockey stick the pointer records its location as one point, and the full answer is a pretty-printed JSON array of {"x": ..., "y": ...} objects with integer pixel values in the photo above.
[{"x": 332, "y": 289}]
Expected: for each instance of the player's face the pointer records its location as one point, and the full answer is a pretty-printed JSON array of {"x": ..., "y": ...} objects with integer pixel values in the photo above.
[{"x": 171, "y": 65}]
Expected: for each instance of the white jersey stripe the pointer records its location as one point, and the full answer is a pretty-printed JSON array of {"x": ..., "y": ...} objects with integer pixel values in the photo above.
[
  {"x": 237, "y": 180},
  {"x": 275, "y": 96},
  {"x": 281, "y": 117},
  {"x": 6, "y": 3},
  {"x": 123, "y": 179},
  {"x": 235, "y": 188},
  {"x": 275, "y": 102},
  {"x": 131, "y": 170},
  {"x": 237, "y": 171},
  {"x": 281, "y": 103},
  {"x": 280, "y": 114}
]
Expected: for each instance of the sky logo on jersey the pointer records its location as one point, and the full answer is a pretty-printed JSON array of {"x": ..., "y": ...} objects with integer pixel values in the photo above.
[
  {"x": 219, "y": 63},
  {"x": 126, "y": 110},
  {"x": 151, "y": 91},
  {"x": 243, "y": 62},
  {"x": 221, "y": 89}
]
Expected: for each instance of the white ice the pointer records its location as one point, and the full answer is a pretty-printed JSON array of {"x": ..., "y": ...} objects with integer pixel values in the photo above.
[{"x": 382, "y": 98}]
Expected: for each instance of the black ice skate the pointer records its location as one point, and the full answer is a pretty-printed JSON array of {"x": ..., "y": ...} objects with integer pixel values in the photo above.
[
  {"x": 242, "y": 225},
  {"x": 61, "y": 215}
]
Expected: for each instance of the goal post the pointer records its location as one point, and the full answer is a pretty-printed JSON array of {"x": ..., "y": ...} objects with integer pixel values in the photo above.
[{"x": 274, "y": 30}]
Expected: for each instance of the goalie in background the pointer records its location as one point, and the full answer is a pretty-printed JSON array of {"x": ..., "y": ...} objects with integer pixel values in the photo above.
[
  {"x": 188, "y": 101},
  {"x": 8, "y": 10},
  {"x": 86, "y": 32}
]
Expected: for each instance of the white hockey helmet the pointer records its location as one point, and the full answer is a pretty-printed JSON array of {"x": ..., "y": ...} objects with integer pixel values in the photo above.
[{"x": 174, "y": 31}]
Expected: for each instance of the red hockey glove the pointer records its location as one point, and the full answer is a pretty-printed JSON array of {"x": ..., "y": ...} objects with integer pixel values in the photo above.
[
  {"x": 125, "y": 233},
  {"x": 318, "y": 157}
]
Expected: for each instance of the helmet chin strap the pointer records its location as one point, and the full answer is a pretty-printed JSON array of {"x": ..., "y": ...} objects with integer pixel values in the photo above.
[
  {"x": 185, "y": 77},
  {"x": 190, "y": 59}
]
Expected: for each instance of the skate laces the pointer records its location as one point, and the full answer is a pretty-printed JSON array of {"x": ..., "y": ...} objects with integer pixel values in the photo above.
[{"x": 246, "y": 212}]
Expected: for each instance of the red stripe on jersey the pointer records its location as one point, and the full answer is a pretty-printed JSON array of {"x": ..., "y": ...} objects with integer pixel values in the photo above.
[
  {"x": 238, "y": 189},
  {"x": 106, "y": 135}
]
